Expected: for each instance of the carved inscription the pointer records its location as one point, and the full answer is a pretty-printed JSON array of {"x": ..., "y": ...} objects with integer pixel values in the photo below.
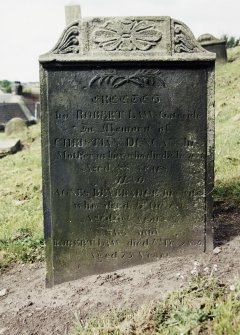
[{"x": 127, "y": 164}]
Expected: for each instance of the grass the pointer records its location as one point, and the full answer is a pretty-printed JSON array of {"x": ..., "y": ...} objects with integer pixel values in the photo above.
[
  {"x": 206, "y": 306},
  {"x": 227, "y": 153},
  {"x": 233, "y": 54},
  {"x": 21, "y": 233}
]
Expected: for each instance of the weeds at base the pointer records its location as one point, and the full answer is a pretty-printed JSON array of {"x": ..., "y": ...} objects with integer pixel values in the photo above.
[
  {"x": 22, "y": 248},
  {"x": 206, "y": 306}
]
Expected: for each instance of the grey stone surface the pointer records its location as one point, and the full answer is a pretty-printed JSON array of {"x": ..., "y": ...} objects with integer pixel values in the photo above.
[
  {"x": 9, "y": 146},
  {"x": 13, "y": 106},
  {"x": 130, "y": 39},
  {"x": 215, "y": 45},
  {"x": 15, "y": 126},
  {"x": 128, "y": 141},
  {"x": 72, "y": 13}
]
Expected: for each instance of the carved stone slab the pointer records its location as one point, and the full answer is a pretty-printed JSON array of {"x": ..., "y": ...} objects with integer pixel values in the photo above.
[
  {"x": 9, "y": 146},
  {"x": 128, "y": 141}
]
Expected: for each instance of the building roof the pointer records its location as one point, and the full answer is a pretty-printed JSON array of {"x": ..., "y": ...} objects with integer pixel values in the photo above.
[
  {"x": 9, "y": 111},
  {"x": 11, "y": 106}
]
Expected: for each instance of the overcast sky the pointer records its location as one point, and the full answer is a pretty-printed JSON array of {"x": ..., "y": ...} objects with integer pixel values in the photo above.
[{"x": 29, "y": 28}]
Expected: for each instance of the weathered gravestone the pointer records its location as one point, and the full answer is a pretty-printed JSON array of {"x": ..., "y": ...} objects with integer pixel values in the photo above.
[
  {"x": 9, "y": 146},
  {"x": 15, "y": 126},
  {"x": 213, "y": 44},
  {"x": 128, "y": 135}
]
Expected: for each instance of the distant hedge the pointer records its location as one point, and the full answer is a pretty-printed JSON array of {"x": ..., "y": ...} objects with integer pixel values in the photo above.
[
  {"x": 6, "y": 85},
  {"x": 232, "y": 41}
]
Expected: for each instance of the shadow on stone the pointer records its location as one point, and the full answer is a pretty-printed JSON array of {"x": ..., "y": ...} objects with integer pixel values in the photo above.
[{"x": 31, "y": 123}]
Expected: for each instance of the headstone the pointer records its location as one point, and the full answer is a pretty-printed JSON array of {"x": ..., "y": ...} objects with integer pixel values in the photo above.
[
  {"x": 9, "y": 146},
  {"x": 213, "y": 44},
  {"x": 128, "y": 141},
  {"x": 15, "y": 126},
  {"x": 72, "y": 13}
]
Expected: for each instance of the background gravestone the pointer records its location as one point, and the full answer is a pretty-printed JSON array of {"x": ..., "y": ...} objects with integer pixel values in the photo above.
[
  {"x": 9, "y": 146},
  {"x": 128, "y": 141},
  {"x": 213, "y": 44},
  {"x": 15, "y": 126}
]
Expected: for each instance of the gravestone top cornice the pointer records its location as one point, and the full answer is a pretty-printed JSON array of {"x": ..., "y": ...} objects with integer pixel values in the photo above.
[
  {"x": 208, "y": 39},
  {"x": 148, "y": 38}
]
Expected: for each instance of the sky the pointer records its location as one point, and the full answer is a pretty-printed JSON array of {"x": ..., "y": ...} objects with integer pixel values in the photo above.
[{"x": 29, "y": 28}]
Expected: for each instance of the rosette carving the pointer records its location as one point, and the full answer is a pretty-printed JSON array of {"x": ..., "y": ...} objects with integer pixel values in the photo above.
[{"x": 127, "y": 35}]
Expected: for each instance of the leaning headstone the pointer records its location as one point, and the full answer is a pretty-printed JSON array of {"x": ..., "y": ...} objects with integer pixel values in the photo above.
[
  {"x": 9, "y": 146},
  {"x": 213, "y": 44},
  {"x": 128, "y": 141},
  {"x": 15, "y": 126}
]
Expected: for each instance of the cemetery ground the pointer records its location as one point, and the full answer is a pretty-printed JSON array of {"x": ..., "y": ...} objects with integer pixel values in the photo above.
[{"x": 179, "y": 295}]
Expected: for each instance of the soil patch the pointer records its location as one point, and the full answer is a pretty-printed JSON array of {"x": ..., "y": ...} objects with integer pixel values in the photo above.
[{"x": 27, "y": 308}]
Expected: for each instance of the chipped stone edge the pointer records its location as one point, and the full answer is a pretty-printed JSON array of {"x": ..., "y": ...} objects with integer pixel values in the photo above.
[{"x": 46, "y": 191}]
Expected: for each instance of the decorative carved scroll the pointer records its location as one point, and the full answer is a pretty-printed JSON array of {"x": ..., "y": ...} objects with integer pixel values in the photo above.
[
  {"x": 184, "y": 40},
  {"x": 69, "y": 41},
  {"x": 141, "y": 78}
]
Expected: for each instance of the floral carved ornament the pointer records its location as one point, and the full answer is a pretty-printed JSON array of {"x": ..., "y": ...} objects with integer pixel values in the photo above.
[{"x": 127, "y": 35}]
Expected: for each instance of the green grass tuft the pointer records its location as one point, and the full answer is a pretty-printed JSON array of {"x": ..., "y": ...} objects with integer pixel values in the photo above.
[
  {"x": 227, "y": 152},
  {"x": 206, "y": 306},
  {"x": 21, "y": 228}
]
